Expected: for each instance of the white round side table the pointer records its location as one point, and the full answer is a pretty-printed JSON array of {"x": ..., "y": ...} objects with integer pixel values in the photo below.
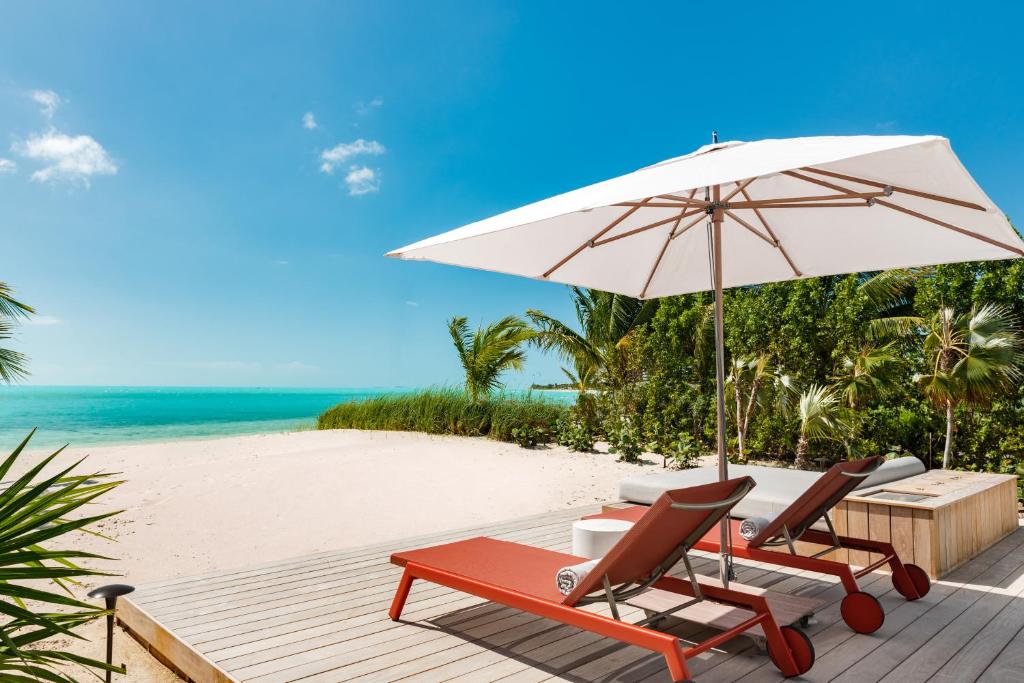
[{"x": 593, "y": 538}]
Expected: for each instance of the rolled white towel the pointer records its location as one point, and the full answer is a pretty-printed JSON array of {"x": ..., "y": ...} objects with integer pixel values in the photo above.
[
  {"x": 568, "y": 578},
  {"x": 751, "y": 527}
]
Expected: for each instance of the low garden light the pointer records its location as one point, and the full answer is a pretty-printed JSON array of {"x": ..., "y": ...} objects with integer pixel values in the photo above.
[{"x": 110, "y": 593}]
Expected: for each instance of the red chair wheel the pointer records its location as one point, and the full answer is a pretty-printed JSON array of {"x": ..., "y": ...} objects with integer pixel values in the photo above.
[
  {"x": 862, "y": 612},
  {"x": 800, "y": 646},
  {"x": 918, "y": 577}
]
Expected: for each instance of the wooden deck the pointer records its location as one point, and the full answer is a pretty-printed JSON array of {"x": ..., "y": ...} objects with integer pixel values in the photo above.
[{"x": 323, "y": 618}]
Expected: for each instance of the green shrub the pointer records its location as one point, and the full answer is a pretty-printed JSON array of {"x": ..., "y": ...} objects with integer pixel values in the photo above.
[
  {"x": 683, "y": 452},
  {"x": 528, "y": 436},
  {"x": 444, "y": 411},
  {"x": 624, "y": 438},
  {"x": 574, "y": 434}
]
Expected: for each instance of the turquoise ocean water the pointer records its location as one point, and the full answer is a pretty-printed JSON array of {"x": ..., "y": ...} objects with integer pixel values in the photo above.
[{"x": 99, "y": 415}]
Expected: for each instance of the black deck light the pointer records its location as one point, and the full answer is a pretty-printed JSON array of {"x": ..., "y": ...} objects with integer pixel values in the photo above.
[{"x": 110, "y": 593}]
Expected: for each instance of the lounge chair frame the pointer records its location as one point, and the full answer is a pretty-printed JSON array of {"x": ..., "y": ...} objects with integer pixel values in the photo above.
[
  {"x": 862, "y": 612},
  {"x": 780, "y": 644}
]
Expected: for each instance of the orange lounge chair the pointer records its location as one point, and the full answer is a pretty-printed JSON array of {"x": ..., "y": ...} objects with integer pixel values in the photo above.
[
  {"x": 523, "y": 577},
  {"x": 861, "y": 611}
]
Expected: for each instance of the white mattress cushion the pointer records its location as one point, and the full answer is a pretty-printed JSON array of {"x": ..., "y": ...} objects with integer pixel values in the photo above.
[
  {"x": 894, "y": 470},
  {"x": 777, "y": 487}
]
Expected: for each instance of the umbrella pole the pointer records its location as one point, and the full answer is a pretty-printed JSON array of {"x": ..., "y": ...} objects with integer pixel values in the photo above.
[{"x": 717, "y": 215}]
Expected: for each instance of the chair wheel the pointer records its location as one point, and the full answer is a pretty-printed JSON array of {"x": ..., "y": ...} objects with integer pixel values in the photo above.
[
  {"x": 862, "y": 612},
  {"x": 800, "y": 646},
  {"x": 919, "y": 577}
]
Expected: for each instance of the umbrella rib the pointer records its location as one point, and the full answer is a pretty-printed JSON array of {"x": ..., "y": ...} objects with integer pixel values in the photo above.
[
  {"x": 752, "y": 203},
  {"x": 687, "y": 200},
  {"x": 915, "y": 214},
  {"x": 895, "y": 188},
  {"x": 751, "y": 228},
  {"x": 645, "y": 228},
  {"x": 626, "y": 214},
  {"x": 662, "y": 205},
  {"x": 778, "y": 242},
  {"x": 802, "y": 205},
  {"x": 740, "y": 187},
  {"x": 661, "y": 255},
  {"x": 664, "y": 247},
  {"x": 687, "y": 227}
]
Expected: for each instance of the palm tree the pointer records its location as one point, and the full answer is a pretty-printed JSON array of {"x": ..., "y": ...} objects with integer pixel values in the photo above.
[
  {"x": 866, "y": 374},
  {"x": 756, "y": 384},
  {"x": 13, "y": 365},
  {"x": 489, "y": 351},
  {"x": 971, "y": 357},
  {"x": 605, "y": 321},
  {"x": 819, "y": 417}
]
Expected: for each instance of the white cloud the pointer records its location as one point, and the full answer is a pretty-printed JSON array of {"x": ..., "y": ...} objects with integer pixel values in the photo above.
[
  {"x": 412, "y": 304},
  {"x": 362, "y": 180},
  {"x": 72, "y": 158},
  {"x": 309, "y": 121},
  {"x": 363, "y": 108},
  {"x": 48, "y": 101},
  {"x": 281, "y": 262},
  {"x": 339, "y": 154},
  {"x": 7, "y": 166},
  {"x": 43, "y": 320}
]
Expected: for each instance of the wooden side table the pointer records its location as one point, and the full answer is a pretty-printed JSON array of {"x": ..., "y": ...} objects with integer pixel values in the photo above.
[{"x": 937, "y": 520}]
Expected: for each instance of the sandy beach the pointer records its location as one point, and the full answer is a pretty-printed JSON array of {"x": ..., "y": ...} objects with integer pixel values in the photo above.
[{"x": 202, "y": 505}]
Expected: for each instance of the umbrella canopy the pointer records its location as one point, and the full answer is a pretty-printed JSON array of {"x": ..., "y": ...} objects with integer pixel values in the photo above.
[
  {"x": 794, "y": 208},
  {"x": 744, "y": 213}
]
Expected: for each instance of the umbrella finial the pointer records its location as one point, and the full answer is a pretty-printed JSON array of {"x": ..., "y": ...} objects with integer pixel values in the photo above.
[{"x": 714, "y": 137}]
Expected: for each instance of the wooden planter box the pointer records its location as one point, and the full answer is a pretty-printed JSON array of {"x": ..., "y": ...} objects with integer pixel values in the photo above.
[{"x": 957, "y": 515}]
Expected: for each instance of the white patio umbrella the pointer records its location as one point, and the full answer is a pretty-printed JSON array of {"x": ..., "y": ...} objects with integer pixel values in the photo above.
[{"x": 743, "y": 213}]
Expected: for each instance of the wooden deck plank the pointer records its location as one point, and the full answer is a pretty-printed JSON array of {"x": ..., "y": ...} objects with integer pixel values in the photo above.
[
  {"x": 1008, "y": 664},
  {"x": 323, "y": 618},
  {"x": 925, "y": 617}
]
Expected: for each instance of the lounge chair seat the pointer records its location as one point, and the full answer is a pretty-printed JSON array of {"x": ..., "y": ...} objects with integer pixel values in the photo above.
[{"x": 522, "y": 568}]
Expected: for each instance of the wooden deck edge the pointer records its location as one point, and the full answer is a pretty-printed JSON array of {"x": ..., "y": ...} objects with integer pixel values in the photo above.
[{"x": 169, "y": 649}]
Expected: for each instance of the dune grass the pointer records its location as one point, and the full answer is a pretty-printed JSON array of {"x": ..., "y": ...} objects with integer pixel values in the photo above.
[{"x": 444, "y": 411}]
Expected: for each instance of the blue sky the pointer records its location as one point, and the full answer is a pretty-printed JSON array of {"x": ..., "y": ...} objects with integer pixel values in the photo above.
[{"x": 165, "y": 206}]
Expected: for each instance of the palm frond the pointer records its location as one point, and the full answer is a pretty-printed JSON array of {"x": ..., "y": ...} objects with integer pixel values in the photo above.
[{"x": 34, "y": 511}]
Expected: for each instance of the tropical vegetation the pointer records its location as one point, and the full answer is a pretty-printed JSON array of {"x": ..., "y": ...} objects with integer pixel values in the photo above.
[
  {"x": 13, "y": 364},
  {"x": 924, "y": 361},
  {"x": 449, "y": 411},
  {"x": 38, "y": 514},
  {"x": 488, "y": 351}
]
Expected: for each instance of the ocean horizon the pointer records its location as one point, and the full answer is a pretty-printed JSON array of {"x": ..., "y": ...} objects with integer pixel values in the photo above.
[{"x": 106, "y": 415}]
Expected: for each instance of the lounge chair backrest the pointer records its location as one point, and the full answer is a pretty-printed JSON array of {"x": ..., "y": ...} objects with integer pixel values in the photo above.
[
  {"x": 838, "y": 482},
  {"x": 663, "y": 533}
]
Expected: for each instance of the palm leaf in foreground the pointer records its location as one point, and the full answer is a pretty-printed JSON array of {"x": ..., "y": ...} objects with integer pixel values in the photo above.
[{"x": 34, "y": 511}]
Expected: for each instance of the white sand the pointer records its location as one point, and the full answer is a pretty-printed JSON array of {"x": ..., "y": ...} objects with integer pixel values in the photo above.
[{"x": 204, "y": 505}]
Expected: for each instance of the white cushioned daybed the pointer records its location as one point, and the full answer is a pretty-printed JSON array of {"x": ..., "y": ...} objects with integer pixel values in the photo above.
[{"x": 776, "y": 488}]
